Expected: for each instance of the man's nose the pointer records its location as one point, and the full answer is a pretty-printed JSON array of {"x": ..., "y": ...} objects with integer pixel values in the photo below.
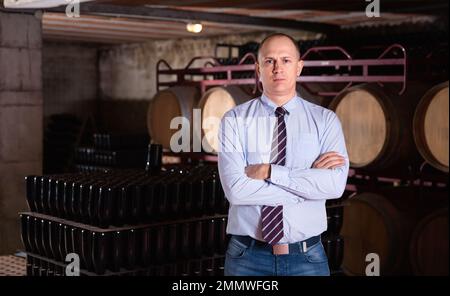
[{"x": 276, "y": 67}]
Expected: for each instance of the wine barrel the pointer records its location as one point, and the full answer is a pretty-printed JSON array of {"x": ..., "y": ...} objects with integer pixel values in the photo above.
[
  {"x": 214, "y": 104},
  {"x": 431, "y": 126},
  {"x": 374, "y": 224},
  {"x": 377, "y": 125},
  {"x": 429, "y": 245},
  {"x": 166, "y": 105}
]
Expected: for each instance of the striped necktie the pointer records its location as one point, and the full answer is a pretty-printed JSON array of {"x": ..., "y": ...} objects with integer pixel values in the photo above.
[{"x": 272, "y": 217}]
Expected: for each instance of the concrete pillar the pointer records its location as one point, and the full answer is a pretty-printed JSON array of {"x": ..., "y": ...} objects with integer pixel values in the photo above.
[{"x": 20, "y": 119}]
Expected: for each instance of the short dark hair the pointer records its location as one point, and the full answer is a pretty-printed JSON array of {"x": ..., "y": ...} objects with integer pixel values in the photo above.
[{"x": 278, "y": 35}]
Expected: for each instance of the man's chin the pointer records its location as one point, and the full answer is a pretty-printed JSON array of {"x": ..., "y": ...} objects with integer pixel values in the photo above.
[
  {"x": 280, "y": 89},
  {"x": 278, "y": 93}
]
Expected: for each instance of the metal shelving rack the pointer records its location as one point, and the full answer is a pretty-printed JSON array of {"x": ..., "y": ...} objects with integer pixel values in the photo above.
[
  {"x": 364, "y": 65},
  {"x": 209, "y": 68},
  {"x": 346, "y": 61}
]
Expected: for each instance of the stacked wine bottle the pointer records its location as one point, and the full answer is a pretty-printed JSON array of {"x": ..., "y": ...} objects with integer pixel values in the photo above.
[
  {"x": 112, "y": 151},
  {"x": 169, "y": 221},
  {"x": 127, "y": 222}
]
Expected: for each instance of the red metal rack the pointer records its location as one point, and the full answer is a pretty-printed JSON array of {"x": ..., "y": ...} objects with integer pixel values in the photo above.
[
  {"x": 209, "y": 68},
  {"x": 364, "y": 67}
]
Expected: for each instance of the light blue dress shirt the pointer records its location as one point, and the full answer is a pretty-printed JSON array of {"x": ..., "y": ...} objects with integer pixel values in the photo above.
[{"x": 245, "y": 137}]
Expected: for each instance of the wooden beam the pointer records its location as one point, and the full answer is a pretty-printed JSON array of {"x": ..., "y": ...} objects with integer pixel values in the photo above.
[
  {"x": 329, "y": 5},
  {"x": 178, "y": 28},
  {"x": 184, "y": 15}
]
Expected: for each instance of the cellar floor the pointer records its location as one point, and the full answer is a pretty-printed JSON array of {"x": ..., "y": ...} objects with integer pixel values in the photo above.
[{"x": 11, "y": 265}]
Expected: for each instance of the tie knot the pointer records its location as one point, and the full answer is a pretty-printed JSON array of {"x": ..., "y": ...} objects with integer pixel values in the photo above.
[{"x": 280, "y": 111}]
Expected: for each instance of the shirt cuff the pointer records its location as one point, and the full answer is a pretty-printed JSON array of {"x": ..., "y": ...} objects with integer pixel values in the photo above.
[{"x": 279, "y": 174}]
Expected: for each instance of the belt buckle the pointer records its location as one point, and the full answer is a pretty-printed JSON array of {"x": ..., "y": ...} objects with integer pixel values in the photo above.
[{"x": 281, "y": 249}]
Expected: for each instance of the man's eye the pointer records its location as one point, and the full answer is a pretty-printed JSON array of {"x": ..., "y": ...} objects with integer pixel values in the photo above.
[
  {"x": 287, "y": 61},
  {"x": 269, "y": 61}
]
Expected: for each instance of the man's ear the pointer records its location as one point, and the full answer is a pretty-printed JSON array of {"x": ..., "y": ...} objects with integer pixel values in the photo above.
[
  {"x": 257, "y": 69},
  {"x": 299, "y": 67}
]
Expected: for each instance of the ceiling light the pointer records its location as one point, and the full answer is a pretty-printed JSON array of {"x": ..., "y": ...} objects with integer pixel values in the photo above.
[{"x": 194, "y": 27}]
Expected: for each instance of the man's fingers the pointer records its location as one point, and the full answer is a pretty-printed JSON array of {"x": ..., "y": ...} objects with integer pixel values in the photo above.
[
  {"x": 326, "y": 155},
  {"x": 329, "y": 158},
  {"x": 332, "y": 163},
  {"x": 335, "y": 164},
  {"x": 322, "y": 157}
]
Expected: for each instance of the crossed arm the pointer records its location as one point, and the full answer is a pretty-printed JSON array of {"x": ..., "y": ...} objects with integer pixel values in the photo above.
[
  {"x": 328, "y": 160},
  {"x": 268, "y": 184}
]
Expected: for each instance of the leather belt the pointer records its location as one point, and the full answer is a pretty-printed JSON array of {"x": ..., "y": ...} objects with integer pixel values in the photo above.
[{"x": 280, "y": 249}]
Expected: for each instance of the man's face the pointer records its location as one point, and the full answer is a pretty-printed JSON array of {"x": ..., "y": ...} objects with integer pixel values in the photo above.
[{"x": 278, "y": 66}]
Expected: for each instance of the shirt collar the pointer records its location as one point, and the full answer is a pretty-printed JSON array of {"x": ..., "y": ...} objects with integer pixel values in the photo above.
[{"x": 288, "y": 106}]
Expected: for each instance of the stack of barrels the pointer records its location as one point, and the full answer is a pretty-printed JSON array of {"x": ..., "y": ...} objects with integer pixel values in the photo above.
[
  {"x": 180, "y": 102},
  {"x": 384, "y": 130},
  {"x": 112, "y": 151},
  {"x": 408, "y": 233},
  {"x": 127, "y": 222},
  {"x": 396, "y": 136}
]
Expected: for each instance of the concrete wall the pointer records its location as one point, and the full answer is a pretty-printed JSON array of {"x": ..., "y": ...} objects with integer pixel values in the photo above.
[
  {"x": 128, "y": 72},
  {"x": 20, "y": 119},
  {"x": 70, "y": 78}
]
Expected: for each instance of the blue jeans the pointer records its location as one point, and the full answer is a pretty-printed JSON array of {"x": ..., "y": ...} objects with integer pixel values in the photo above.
[{"x": 258, "y": 260}]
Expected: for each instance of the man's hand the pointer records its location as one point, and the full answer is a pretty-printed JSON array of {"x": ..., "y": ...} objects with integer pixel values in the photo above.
[
  {"x": 258, "y": 171},
  {"x": 329, "y": 160}
]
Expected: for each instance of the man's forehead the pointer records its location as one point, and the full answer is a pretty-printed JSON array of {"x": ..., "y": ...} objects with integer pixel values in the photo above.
[
  {"x": 278, "y": 54},
  {"x": 279, "y": 46}
]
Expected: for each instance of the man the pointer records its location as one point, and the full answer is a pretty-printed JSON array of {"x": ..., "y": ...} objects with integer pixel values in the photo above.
[{"x": 280, "y": 159}]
